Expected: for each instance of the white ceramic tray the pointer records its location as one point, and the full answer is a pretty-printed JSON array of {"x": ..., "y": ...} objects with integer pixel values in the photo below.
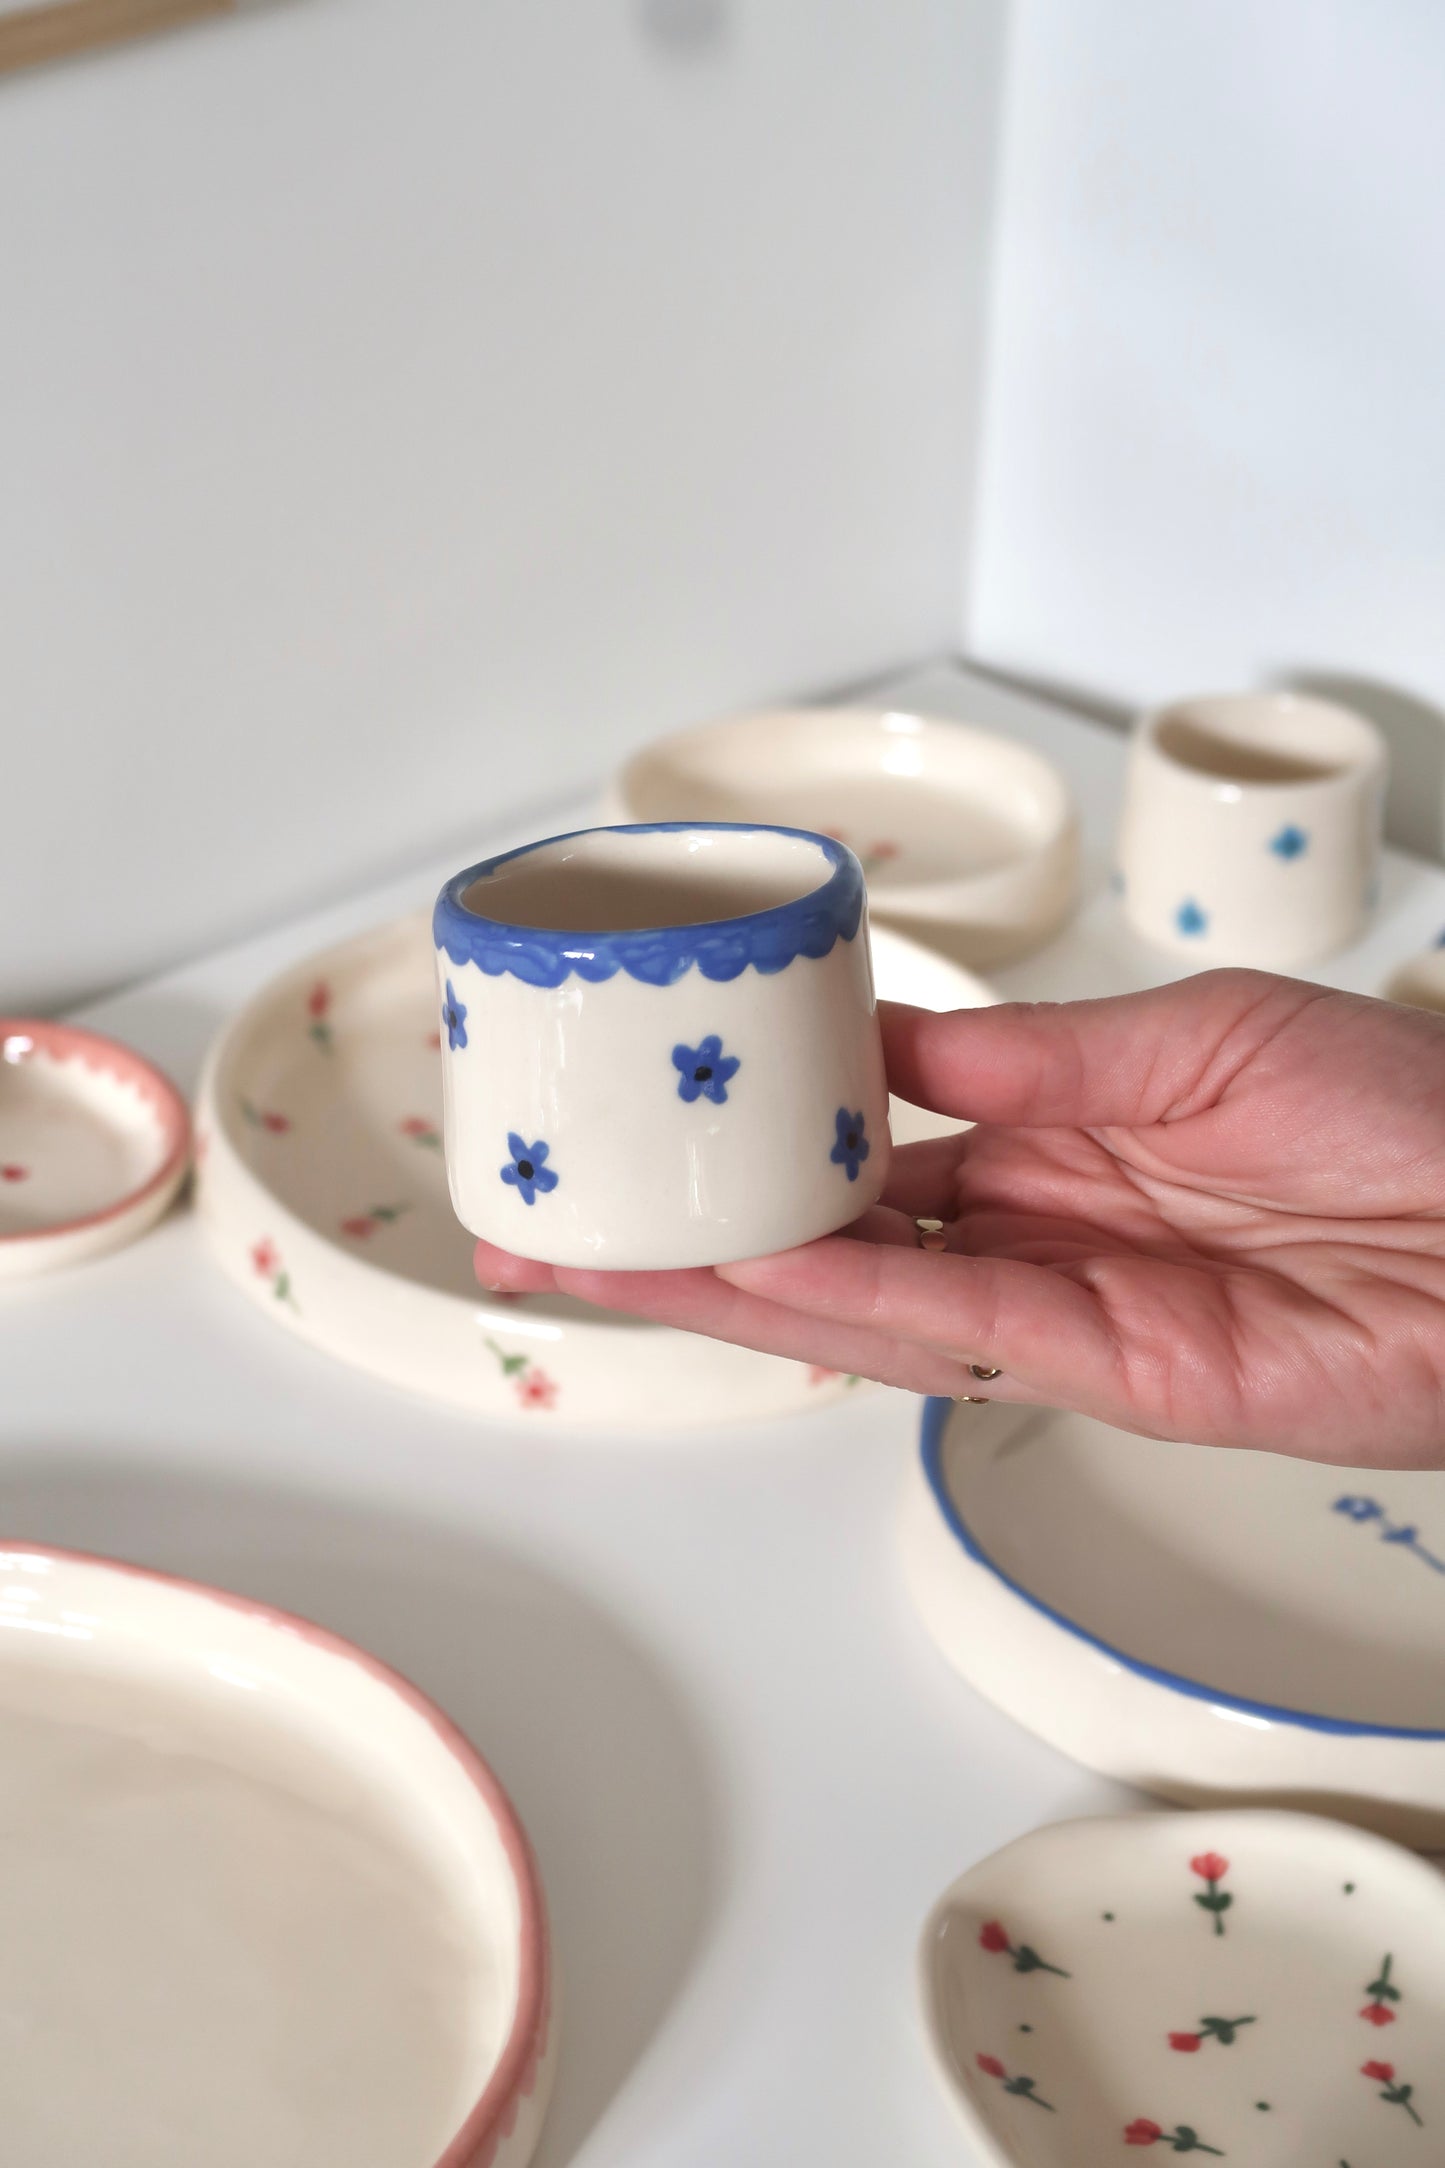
[
  {"x": 322, "y": 1187},
  {"x": 1205, "y": 1624},
  {"x": 1259, "y": 1988},
  {"x": 261, "y": 1901}
]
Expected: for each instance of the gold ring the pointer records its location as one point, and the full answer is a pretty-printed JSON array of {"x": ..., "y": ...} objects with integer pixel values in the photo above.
[
  {"x": 980, "y": 1371},
  {"x": 930, "y": 1234},
  {"x": 971, "y": 1400}
]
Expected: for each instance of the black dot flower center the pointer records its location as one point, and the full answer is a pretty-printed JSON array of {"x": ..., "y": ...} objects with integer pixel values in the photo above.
[
  {"x": 852, "y": 1140},
  {"x": 702, "y": 1075},
  {"x": 525, "y": 1169}
]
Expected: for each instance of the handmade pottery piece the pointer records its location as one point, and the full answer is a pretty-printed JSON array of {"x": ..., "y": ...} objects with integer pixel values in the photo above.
[
  {"x": 661, "y": 1045},
  {"x": 969, "y": 840},
  {"x": 271, "y": 1904},
  {"x": 322, "y": 1191},
  {"x": 1251, "y": 828},
  {"x": 94, "y": 1144},
  {"x": 1208, "y": 1625},
  {"x": 1252, "y": 1987}
]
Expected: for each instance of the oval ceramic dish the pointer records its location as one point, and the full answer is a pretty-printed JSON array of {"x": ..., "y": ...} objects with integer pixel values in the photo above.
[
  {"x": 323, "y": 1191},
  {"x": 968, "y": 839},
  {"x": 1205, "y": 1624},
  {"x": 1259, "y": 1988},
  {"x": 271, "y": 1905},
  {"x": 94, "y": 1144}
]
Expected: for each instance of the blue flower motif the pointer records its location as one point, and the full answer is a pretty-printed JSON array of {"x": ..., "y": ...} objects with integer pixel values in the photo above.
[
  {"x": 704, "y": 1071},
  {"x": 454, "y": 1016},
  {"x": 1190, "y": 919},
  {"x": 851, "y": 1147},
  {"x": 1439, "y": 940},
  {"x": 527, "y": 1170},
  {"x": 1291, "y": 842}
]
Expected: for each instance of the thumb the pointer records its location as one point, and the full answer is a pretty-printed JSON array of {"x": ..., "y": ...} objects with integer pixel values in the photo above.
[{"x": 1121, "y": 1062}]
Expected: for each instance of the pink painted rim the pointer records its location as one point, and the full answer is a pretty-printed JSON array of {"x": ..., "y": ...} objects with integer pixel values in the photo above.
[
  {"x": 67, "y": 1042},
  {"x": 493, "y": 2114}
]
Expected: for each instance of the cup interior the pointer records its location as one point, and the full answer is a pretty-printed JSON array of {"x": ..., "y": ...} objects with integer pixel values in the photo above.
[
  {"x": 624, "y": 880},
  {"x": 1264, "y": 738}
]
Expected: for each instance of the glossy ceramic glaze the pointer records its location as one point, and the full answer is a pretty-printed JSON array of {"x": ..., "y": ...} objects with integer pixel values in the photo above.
[
  {"x": 660, "y": 1045},
  {"x": 94, "y": 1144},
  {"x": 271, "y": 1905},
  {"x": 1205, "y": 1624},
  {"x": 1251, "y": 828},
  {"x": 1253, "y": 1987},
  {"x": 968, "y": 839},
  {"x": 322, "y": 1190}
]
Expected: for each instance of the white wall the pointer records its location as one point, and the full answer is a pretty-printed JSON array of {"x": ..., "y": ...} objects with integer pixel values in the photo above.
[
  {"x": 1215, "y": 408},
  {"x": 406, "y": 405}
]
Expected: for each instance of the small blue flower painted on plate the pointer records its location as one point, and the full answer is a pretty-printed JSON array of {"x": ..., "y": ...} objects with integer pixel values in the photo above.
[
  {"x": 527, "y": 1169},
  {"x": 704, "y": 1071},
  {"x": 454, "y": 1016},
  {"x": 851, "y": 1146},
  {"x": 1291, "y": 842},
  {"x": 1190, "y": 919}
]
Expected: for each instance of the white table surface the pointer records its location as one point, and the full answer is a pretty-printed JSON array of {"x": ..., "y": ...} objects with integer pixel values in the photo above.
[{"x": 691, "y": 1659}]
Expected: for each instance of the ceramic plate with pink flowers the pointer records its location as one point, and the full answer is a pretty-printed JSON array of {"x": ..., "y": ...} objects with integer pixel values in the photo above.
[{"x": 1257, "y": 1987}]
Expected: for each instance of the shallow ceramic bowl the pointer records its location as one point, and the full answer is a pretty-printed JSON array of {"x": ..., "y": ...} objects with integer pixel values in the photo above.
[
  {"x": 94, "y": 1144},
  {"x": 1253, "y": 1987},
  {"x": 969, "y": 840},
  {"x": 1205, "y": 1624},
  {"x": 323, "y": 1194},
  {"x": 271, "y": 1905}
]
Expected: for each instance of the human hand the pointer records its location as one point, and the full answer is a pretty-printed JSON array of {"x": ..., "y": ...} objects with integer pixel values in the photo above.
[{"x": 1215, "y": 1211}]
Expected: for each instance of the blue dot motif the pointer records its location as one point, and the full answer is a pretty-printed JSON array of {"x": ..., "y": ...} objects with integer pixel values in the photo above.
[
  {"x": 1190, "y": 918},
  {"x": 1291, "y": 842}
]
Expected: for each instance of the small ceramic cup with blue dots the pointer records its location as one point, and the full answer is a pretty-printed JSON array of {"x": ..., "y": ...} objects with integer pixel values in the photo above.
[
  {"x": 660, "y": 1045},
  {"x": 1251, "y": 828}
]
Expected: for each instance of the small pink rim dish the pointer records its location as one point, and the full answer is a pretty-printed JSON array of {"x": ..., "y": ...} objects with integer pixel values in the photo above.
[
  {"x": 94, "y": 1144},
  {"x": 273, "y": 1904}
]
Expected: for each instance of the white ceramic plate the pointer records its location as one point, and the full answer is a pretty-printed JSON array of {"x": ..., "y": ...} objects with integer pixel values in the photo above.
[
  {"x": 1261, "y": 1988},
  {"x": 322, "y": 1186},
  {"x": 261, "y": 1902},
  {"x": 1205, "y": 1624},
  {"x": 968, "y": 839},
  {"x": 94, "y": 1144}
]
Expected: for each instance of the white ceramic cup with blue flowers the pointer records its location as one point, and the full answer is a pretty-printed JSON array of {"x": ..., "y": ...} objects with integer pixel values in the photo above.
[
  {"x": 1251, "y": 828},
  {"x": 660, "y": 1045}
]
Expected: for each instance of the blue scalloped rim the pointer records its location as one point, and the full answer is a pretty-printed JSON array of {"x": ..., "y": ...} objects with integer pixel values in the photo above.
[
  {"x": 935, "y": 1424},
  {"x": 658, "y": 955}
]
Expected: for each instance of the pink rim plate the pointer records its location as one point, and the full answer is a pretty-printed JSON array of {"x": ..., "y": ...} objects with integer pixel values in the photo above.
[
  {"x": 493, "y": 2115},
  {"x": 70, "y": 1238}
]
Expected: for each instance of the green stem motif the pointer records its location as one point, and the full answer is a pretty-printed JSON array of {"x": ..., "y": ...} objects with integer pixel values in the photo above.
[
  {"x": 1024, "y": 2089},
  {"x": 1217, "y": 1901}
]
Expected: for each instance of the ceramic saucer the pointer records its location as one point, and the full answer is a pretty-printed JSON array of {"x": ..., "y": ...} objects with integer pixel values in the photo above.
[
  {"x": 969, "y": 840},
  {"x": 1208, "y": 1625},
  {"x": 322, "y": 1187},
  {"x": 263, "y": 1902},
  {"x": 1259, "y": 1988},
  {"x": 94, "y": 1144}
]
